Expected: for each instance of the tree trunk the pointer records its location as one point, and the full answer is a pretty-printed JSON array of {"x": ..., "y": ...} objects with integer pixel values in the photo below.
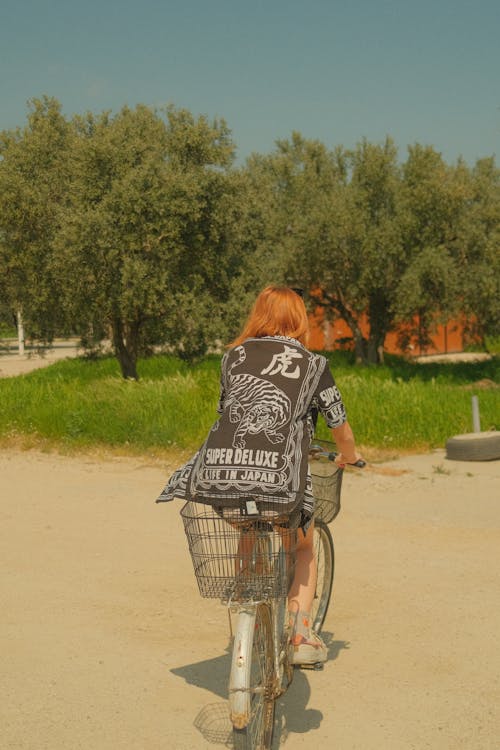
[
  {"x": 351, "y": 319},
  {"x": 360, "y": 352},
  {"x": 20, "y": 332},
  {"x": 360, "y": 343},
  {"x": 375, "y": 348},
  {"x": 379, "y": 320},
  {"x": 125, "y": 340}
]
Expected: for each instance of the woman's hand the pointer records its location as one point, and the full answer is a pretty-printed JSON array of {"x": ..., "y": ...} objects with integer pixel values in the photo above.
[{"x": 354, "y": 460}]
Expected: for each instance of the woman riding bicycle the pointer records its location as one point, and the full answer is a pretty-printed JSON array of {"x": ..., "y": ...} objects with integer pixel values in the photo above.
[{"x": 256, "y": 453}]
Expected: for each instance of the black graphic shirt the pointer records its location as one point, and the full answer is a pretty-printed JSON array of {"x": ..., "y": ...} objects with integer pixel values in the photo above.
[{"x": 271, "y": 390}]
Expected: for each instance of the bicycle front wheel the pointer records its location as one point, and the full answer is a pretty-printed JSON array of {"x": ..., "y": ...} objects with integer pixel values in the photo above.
[
  {"x": 325, "y": 560},
  {"x": 256, "y": 693}
]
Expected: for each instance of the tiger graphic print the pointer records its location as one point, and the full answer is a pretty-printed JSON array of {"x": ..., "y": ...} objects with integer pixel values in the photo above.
[
  {"x": 270, "y": 389},
  {"x": 258, "y": 406}
]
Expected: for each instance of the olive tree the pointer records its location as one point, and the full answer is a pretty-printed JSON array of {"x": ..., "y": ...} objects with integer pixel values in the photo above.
[
  {"x": 338, "y": 229},
  {"x": 434, "y": 197},
  {"x": 478, "y": 252},
  {"x": 34, "y": 184},
  {"x": 145, "y": 250}
]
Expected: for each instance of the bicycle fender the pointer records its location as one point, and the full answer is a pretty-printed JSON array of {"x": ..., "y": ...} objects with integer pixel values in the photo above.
[{"x": 239, "y": 679}]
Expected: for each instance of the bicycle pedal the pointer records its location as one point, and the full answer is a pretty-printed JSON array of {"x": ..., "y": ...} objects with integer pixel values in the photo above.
[{"x": 317, "y": 666}]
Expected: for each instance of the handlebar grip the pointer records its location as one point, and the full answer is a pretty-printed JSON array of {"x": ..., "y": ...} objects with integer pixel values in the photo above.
[{"x": 316, "y": 451}]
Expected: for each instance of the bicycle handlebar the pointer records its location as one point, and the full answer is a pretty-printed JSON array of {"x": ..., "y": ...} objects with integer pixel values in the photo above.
[{"x": 317, "y": 451}]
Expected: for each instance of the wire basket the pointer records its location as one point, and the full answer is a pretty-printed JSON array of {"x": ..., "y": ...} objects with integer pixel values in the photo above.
[
  {"x": 326, "y": 483},
  {"x": 237, "y": 557}
]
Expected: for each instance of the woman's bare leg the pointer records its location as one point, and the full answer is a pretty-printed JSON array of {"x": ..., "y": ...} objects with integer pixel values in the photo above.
[{"x": 302, "y": 590}]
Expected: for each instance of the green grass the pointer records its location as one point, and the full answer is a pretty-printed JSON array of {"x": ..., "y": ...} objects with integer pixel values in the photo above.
[
  {"x": 84, "y": 403},
  {"x": 7, "y": 331},
  {"x": 493, "y": 344}
]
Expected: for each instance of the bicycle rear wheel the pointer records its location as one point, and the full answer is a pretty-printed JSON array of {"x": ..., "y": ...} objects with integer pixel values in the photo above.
[
  {"x": 325, "y": 559},
  {"x": 257, "y": 734}
]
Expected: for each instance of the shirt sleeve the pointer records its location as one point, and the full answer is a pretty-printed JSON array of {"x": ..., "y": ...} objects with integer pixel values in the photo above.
[{"x": 328, "y": 401}]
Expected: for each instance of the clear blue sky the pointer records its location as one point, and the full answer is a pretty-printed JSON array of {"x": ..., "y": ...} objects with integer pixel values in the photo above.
[{"x": 336, "y": 70}]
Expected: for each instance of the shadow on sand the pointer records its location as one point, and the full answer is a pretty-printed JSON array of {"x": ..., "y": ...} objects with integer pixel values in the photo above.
[{"x": 291, "y": 712}]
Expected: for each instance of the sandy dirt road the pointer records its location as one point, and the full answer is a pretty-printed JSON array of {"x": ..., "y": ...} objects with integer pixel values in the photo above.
[
  {"x": 12, "y": 363},
  {"x": 106, "y": 644}
]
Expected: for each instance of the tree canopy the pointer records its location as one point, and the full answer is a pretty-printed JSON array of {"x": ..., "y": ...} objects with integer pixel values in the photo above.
[
  {"x": 137, "y": 227},
  {"x": 34, "y": 179}
]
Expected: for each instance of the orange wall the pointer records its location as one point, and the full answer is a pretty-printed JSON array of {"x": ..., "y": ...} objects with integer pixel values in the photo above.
[{"x": 324, "y": 336}]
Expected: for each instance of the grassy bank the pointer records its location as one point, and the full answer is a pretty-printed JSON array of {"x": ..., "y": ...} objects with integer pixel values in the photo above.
[{"x": 85, "y": 403}]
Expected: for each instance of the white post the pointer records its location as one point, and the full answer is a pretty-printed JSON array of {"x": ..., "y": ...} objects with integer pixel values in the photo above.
[
  {"x": 476, "y": 424},
  {"x": 20, "y": 332}
]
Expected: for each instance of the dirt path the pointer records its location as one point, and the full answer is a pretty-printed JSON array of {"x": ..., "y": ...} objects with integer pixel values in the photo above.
[
  {"x": 107, "y": 645},
  {"x": 12, "y": 363}
]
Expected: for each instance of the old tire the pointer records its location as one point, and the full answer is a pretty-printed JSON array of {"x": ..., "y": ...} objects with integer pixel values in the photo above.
[{"x": 474, "y": 446}]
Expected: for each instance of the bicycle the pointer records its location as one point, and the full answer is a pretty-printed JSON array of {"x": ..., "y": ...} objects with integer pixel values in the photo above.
[{"x": 245, "y": 556}]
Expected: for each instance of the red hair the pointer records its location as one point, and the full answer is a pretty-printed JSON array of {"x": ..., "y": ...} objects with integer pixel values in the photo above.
[{"x": 277, "y": 311}]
